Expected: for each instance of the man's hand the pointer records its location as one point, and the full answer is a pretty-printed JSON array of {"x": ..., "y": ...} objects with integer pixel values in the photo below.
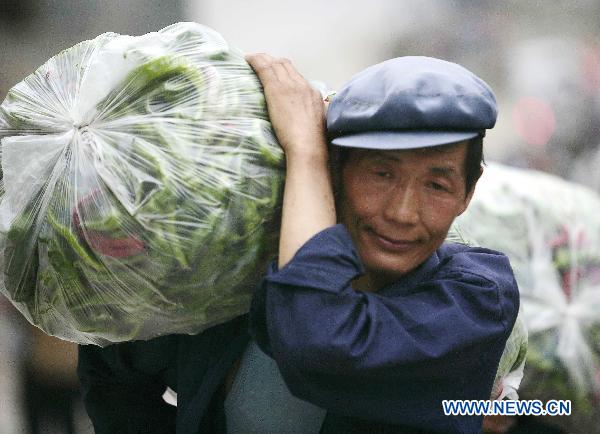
[
  {"x": 297, "y": 113},
  {"x": 296, "y": 110}
]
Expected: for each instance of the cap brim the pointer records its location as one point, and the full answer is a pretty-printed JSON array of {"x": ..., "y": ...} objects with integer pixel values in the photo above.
[{"x": 388, "y": 140}]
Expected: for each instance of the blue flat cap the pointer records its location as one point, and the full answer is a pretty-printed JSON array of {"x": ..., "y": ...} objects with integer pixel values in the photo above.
[{"x": 410, "y": 102}]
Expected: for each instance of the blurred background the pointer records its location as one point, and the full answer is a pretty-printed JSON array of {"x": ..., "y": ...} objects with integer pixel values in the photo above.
[{"x": 542, "y": 59}]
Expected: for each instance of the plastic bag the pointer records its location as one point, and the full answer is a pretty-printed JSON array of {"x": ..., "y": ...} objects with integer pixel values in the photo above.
[
  {"x": 512, "y": 363},
  {"x": 140, "y": 177},
  {"x": 550, "y": 230}
]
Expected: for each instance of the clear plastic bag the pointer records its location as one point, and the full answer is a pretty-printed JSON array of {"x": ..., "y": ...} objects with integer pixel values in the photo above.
[
  {"x": 550, "y": 230},
  {"x": 140, "y": 180},
  {"x": 512, "y": 363}
]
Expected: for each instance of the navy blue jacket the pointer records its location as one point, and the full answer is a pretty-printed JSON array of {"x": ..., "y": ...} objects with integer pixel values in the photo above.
[
  {"x": 379, "y": 362},
  {"x": 387, "y": 359}
]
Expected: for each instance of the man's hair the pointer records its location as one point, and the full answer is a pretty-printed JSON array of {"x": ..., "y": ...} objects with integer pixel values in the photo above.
[{"x": 473, "y": 162}]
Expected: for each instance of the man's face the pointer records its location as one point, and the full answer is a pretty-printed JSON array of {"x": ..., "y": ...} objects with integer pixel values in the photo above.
[{"x": 399, "y": 205}]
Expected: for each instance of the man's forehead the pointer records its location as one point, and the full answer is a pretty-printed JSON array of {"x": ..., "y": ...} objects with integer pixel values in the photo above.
[{"x": 399, "y": 154}]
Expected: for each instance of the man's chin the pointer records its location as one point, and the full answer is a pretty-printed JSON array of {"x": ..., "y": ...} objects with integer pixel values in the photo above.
[
  {"x": 388, "y": 265},
  {"x": 393, "y": 271}
]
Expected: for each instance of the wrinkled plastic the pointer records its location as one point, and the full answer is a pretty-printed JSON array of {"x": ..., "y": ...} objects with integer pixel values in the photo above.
[
  {"x": 550, "y": 230},
  {"x": 512, "y": 363},
  {"x": 140, "y": 177}
]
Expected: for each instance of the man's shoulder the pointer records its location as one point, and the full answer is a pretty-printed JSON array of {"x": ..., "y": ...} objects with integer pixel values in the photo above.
[
  {"x": 476, "y": 260},
  {"x": 449, "y": 248},
  {"x": 460, "y": 261}
]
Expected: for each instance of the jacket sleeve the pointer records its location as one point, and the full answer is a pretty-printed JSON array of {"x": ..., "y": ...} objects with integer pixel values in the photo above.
[
  {"x": 351, "y": 351},
  {"x": 121, "y": 396}
]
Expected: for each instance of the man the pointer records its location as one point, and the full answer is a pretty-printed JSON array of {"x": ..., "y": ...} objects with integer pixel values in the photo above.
[{"x": 375, "y": 318}]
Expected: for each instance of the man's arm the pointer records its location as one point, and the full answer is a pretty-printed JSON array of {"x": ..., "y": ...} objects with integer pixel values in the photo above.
[{"x": 297, "y": 113}]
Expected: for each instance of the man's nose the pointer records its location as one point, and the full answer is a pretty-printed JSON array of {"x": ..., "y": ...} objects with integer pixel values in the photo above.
[{"x": 403, "y": 205}]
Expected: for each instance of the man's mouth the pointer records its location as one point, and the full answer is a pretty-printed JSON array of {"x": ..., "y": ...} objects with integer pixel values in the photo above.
[{"x": 392, "y": 244}]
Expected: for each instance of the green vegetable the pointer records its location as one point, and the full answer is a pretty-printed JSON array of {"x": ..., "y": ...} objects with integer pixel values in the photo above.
[
  {"x": 155, "y": 217},
  {"x": 512, "y": 363}
]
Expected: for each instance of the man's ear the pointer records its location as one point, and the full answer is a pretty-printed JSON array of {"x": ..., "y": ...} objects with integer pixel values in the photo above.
[{"x": 469, "y": 195}]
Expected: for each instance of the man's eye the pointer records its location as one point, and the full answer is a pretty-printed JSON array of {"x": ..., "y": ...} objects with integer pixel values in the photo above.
[
  {"x": 437, "y": 186},
  {"x": 383, "y": 174}
]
